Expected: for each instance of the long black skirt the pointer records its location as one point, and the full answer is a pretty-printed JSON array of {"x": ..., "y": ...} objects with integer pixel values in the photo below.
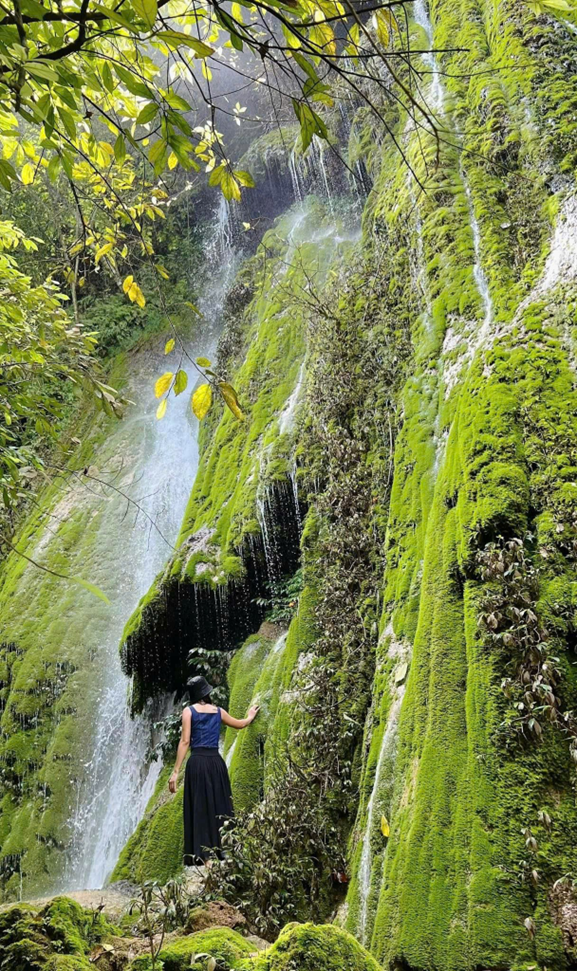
[{"x": 207, "y": 804}]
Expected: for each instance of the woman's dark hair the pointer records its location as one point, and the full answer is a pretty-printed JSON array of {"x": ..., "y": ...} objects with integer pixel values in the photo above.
[{"x": 206, "y": 700}]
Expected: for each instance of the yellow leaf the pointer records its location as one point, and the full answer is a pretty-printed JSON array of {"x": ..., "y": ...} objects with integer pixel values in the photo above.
[
  {"x": 163, "y": 384},
  {"x": 27, "y": 174},
  {"x": 172, "y": 161},
  {"x": 127, "y": 283},
  {"x": 230, "y": 396},
  {"x": 161, "y": 410},
  {"x": 382, "y": 29},
  {"x": 102, "y": 251},
  {"x": 385, "y": 828},
  {"x": 136, "y": 295},
  {"x": 201, "y": 400},
  {"x": 169, "y": 346}
]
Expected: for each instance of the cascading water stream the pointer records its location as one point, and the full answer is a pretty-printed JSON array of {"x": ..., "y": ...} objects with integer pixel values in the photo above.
[
  {"x": 161, "y": 458},
  {"x": 437, "y": 92},
  {"x": 478, "y": 271},
  {"x": 437, "y": 97},
  {"x": 384, "y": 763}
]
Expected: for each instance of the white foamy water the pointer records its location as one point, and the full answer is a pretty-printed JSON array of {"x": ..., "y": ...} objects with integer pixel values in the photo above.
[
  {"x": 386, "y": 757},
  {"x": 287, "y": 415},
  {"x": 436, "y": 90}
]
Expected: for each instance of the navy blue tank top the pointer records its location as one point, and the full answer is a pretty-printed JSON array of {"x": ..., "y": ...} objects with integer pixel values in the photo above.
[{"x": 205, "y": 728}]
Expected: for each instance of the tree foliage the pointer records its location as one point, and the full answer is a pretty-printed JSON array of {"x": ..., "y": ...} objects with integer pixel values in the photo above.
[{"x": 42, "y": 355}]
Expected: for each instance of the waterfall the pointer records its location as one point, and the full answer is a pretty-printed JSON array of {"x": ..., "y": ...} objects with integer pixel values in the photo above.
[
  {"x": 437, "y": 93},
  {"x": 478, "y": 271},
  {"x": 295, "y": 178},
  {"x": 386, "y": 757},
  {"x": 437, "y": 96},
  {"x": 287, "y": 415},
  {"x": 161, "y": 459},
  {"x": 310, "y": 173}
]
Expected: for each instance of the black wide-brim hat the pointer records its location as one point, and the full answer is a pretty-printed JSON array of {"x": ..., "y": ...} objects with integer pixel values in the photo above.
[{"x": 198, "y": 688}]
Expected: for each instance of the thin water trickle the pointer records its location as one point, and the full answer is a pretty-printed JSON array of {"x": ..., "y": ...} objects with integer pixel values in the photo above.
[
  {"x": 161, "y": 458},
  {"x": 386, "y": 757},
  {"x": 437, "y": 92},
  {"x": 287, "y": 415},
  {"x": 295, "y": 178},
  {"x": 478, "y": 271}
]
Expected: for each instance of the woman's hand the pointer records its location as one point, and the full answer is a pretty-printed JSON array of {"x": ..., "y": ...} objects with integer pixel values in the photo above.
[
  {"x": 173, "y": 782},
  {"x": 253, "y": 712}
]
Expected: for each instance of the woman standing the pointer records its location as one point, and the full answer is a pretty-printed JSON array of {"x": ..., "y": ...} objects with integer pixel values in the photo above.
[{"x": 207, "y": 795}]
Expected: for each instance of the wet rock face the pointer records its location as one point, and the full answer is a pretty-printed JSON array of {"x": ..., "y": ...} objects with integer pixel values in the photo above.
[{"x": 563, "y": 909}]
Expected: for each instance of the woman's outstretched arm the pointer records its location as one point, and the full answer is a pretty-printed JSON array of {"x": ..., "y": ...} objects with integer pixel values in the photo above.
[
  {"x": 239, "y": 722},
  {"x": 182, "y": 748}
]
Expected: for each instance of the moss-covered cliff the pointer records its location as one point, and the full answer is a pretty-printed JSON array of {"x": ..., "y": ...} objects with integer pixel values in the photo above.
[
  {"x": 383, "y": 554},
  {"x": 438, "y": 423}
]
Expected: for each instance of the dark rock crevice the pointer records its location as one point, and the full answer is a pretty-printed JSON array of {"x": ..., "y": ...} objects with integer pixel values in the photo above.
[{"x": 202, "y": 615}]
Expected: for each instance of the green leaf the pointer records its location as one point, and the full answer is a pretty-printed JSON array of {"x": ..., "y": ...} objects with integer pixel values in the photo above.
[
  {"x": 7, "y": 174},
  {"x": 32, "y": 9},
  {"x": 305, "y": 65},
  {"x": 42, "y": 69},
  {"x": 149, "y": 112},
  {"x": 68, "y": 122},
  {"x": 92, "y": 588},
  {"x": 158, "y": 154},
  {"x": 116, "y": 18},
  {"x": 120, "y": 149},
  {"x": 311, "y": 123},
  {"x": 146, "y": 10},
  {"x": 245, "y": 178},
  {"x": 133, "y": 84},
  {"x": 176, "y": 102},
  {"x": 175, "y": 39},
  {"x": 180, "y": 382},
  {"x": 203, "y": 362},
  {"x": 107, "y": 77},
  {"x": 67, "y": 96},
  {"x": 229, "y": 186},
  {"x": 216, "y": 175}
]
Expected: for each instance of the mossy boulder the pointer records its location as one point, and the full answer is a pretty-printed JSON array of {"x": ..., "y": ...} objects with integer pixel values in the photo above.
[
  {"x": 312, "y": 947},
  {"x": 227, "y": 946},
  {"x": 58, "y": 937}
]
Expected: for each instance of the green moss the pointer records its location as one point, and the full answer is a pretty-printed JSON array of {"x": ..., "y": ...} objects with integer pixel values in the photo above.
[
  {"x": 154, "y": 851},
  {"x": 228, "y": 947},
  {"x": 311, "y": 947},
  {"x": 57, "y": 938}
]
